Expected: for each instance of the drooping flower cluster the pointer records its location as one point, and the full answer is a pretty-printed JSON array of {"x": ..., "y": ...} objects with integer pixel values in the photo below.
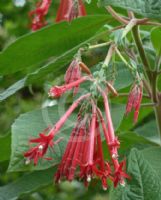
[
  {"x": 83, "y": 157},
  {"x": 67, "y": 11},
  {"x": 134, "y": 99}
]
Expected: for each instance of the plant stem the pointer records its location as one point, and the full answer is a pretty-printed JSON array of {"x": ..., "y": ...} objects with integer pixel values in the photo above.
[
  {"x": 99, "y": 45},
  {"x": 158, "y": 115},
  {"x": 141, "y": 51},
  {"x": 123, "y": 59},
  {"x": 148, "y": 104},
  {"x": 109, "y": 56},
  {"x": 147, "y": 87},
  {"x": 116, "y": 16},
  {"x": 152, "y": 76}
]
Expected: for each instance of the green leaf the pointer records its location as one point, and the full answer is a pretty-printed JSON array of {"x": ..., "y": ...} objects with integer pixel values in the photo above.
[
  {"x": 27, "y": 184},
  {"x": 42, "y": 46},
  {"x": 5, "y": 144},
  {"x": 122, "y": 74},
  {"x": 155, "y": 38},
  {"x": 128, "y": 121},
  {"x": 30, "y": 124},
  {"x": 149, "y": 130},
  {"x": 55, "y": 67},
  {"x": 117, "y": 112},
  {"x": 131, "y": 139},
  {"x": 150, "y": 8},
  {"x": 12, "y": 89},
  {"x": 145, "y": 183},
  {"x": 153, "y": 154}
]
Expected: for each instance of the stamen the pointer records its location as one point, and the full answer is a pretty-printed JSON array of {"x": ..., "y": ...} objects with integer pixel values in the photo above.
[
  {"x": 27, "y": 161},
  {"x": 41, "y": 147},
  {"x": 89, "y": 178},
  {"x": 115, "y": 156},
  {"x": 122, "y": 183},
  {"x": 104, "y": 188}
]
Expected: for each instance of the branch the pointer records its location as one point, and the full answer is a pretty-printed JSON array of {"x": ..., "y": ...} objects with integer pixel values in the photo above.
[
  {"x": 149, "y": 104},
  {"x": 141, "y": 51},
  {"x": 116, "y": 16},
  {"x": 147, "y": 88}
]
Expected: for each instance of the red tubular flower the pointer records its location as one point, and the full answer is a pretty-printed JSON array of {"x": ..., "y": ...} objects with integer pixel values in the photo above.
[
  {"x": 73, "y": 73},
  {"x": 120, "y": 174},
  {"x": 84, "y": 150},
  {"x": 38, "y": 15},
  {"x": 104, "y": 170},
  {"x": 112, "y": 142},
  {"x": 71, "y": 155},
  {"x": 37, "y": 152},
  {"x": 134, "y": 100},
  {"x": 76, "y": 155},
  {"x": 45, "y": 141},
  {"x": 109, "y": 131},
  {"x": 70, "y": 9},
  {"x": 88, "y": 168},
  {"x": 57, "y": 91}
]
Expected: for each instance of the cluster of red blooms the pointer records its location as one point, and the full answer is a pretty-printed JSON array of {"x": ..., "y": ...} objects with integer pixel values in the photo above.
[
  {"x": 83, "y": 157},
  {"x": 68, "y": 10}
]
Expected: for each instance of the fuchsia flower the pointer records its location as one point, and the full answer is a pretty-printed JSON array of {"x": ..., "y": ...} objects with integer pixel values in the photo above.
[
  {"x": 84, "y": 151},
  {"x": 88, "y": 165},
  {"x": 72, "y": 153},
  {"x": 73, "y": 73},
  {"x": 37, "y": 152},
  {"x": 83, "y": 157},
  {"x": 38, "y": 15},
  {"x": 120, "y": 174},
  {"x": 44, "y": 141},
  {"x": 134, "y": 100},
  {"x": 70, "y": 9},
  {"x": 112, "y": 142},
  {"x": 57, "y": 91}
]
